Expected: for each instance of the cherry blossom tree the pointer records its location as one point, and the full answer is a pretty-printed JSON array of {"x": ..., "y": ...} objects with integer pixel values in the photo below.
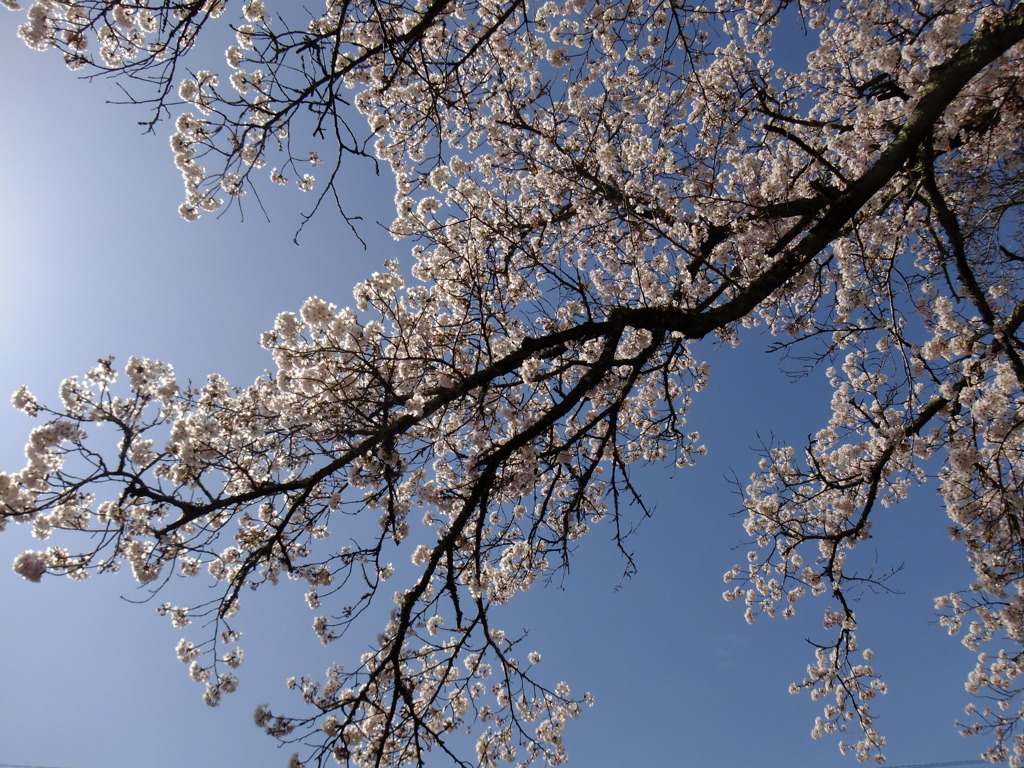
[{"x": 590, "y": 189}]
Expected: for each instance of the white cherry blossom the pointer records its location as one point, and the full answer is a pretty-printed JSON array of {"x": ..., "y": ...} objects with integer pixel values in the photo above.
[{"x": 590, "y": 190}]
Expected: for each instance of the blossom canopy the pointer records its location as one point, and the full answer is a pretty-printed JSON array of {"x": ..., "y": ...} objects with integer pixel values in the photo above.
[{"x": 592, "y": 193}]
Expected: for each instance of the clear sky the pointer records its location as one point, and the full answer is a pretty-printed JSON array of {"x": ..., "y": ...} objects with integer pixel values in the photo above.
[{"x": 94, "y": 260}]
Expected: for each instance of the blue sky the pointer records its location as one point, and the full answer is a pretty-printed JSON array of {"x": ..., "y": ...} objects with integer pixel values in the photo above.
[{"x": 95, "y": 261}]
